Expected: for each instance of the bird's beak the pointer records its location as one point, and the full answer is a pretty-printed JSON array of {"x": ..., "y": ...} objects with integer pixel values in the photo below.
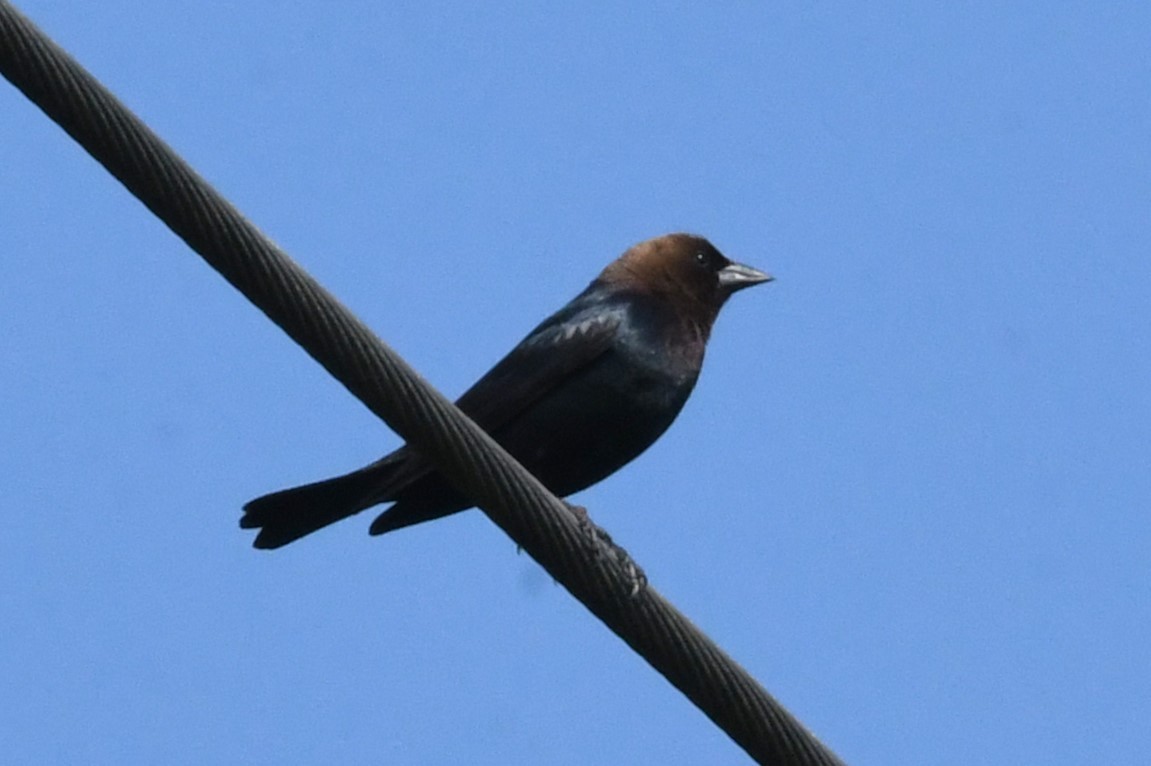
[{"x": 736, "y": 276}]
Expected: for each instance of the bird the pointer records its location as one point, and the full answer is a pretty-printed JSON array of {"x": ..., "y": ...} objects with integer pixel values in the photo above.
[{"x": 588, "y": 390}]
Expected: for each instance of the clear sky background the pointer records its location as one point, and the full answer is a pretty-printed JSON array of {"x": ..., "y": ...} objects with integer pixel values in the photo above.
[{"x": 911, "y": 493}]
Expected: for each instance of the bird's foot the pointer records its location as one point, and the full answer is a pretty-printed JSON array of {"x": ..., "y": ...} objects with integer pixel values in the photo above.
[{"x": 603, "y": 544}]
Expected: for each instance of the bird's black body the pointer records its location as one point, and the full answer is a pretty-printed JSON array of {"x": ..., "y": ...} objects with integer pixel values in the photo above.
[{"x": 586, "y": 391}]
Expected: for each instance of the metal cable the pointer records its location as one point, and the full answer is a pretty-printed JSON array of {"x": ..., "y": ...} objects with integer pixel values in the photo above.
[{"x": 537, "y": 521}]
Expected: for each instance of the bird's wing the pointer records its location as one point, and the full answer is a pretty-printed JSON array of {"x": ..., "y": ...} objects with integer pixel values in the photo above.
[
  {"x": 564, "y": 343},
  {"x": 561, "y": 345}
]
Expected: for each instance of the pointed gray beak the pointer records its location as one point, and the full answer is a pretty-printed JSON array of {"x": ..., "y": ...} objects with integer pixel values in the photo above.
[{"x": 736, "y": 276}]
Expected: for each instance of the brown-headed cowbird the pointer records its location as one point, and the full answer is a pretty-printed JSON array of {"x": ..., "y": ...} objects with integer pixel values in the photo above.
[{"x": 582, "y": 395}]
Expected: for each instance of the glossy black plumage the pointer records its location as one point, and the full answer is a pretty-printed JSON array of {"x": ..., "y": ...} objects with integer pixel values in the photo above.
[{"x": 586, "y": 391}]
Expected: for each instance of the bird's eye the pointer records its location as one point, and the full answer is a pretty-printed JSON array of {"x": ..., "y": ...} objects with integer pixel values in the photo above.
[{"x": 701, "y": 258}]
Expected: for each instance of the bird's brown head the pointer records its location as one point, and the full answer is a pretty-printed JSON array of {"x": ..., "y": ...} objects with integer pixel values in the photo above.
[{"x": 684, "y": 269}]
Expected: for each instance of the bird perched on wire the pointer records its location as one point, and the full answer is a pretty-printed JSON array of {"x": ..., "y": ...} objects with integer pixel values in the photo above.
[{"x": 581, "y": 396}]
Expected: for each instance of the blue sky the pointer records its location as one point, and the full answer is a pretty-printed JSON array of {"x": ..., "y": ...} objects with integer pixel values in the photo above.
[{"x": 910, "y": 493}]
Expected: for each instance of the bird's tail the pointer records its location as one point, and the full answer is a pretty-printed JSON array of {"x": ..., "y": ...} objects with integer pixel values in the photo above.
[{"x": 289, "y": 514}]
